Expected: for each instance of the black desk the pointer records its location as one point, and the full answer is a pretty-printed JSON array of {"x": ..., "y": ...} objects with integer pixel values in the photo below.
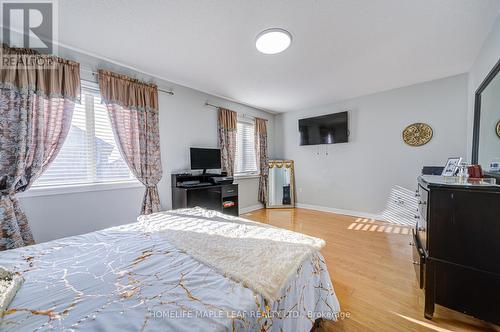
[{"x": 213, "y": 197}]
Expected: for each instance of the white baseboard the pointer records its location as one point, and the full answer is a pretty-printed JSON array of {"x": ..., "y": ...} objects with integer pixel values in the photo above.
[
  {"x": 323, "y": 209},
  {"x": 341, "y": 211},
  {"x": 251, "y": 208}
]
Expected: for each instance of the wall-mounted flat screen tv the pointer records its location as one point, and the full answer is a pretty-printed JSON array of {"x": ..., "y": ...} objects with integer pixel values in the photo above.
[{"x": 325, "y": 129}]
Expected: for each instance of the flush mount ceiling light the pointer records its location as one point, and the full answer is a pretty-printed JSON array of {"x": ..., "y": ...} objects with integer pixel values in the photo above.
[{"x": 273, "y": 41}]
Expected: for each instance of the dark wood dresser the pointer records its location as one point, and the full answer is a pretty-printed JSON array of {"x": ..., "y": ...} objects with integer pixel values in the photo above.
[{"x": 456, "y": 245}]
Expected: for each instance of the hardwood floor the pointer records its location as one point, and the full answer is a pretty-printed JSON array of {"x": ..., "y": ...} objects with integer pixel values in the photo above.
[{"x": 372, "y": 272}]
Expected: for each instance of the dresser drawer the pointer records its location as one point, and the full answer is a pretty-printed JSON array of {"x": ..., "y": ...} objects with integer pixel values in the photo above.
[
  {"x": 464, "y": 228},
  {"x": 422, "y": 199},
  {"x": 418, "y": 259},
  {"x": 468, "y": 290},
  {"x": 422, "y": 216},
  {"x": 230, "y": 190}
]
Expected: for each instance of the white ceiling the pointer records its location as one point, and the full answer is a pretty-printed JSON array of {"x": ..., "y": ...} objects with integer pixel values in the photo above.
[{"x": 340, "y": 49}]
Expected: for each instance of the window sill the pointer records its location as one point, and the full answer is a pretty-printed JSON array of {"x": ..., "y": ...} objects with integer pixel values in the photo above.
[
  {"x": 246, "y": 176},
  {"x": 78, "y": 188}
]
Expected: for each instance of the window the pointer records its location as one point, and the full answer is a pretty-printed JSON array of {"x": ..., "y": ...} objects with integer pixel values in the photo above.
[
  {"x": 245, "y": 163},
  {"x": 89, "y": 154}
]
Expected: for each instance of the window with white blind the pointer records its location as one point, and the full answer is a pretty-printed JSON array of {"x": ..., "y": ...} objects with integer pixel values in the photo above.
[
  {"x": 245, "y": 163},
  {"x": 89, "y": 154}
]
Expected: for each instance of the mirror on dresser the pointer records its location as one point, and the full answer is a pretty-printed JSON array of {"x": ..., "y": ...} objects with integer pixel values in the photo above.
[{"x": 486, "y": 138}]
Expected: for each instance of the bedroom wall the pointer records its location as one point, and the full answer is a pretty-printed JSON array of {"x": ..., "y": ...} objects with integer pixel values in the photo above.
[
  {"x": 486, "y": 59},
  {"x": 357, "y": 177},
  {"x": 184, "y": 121}
]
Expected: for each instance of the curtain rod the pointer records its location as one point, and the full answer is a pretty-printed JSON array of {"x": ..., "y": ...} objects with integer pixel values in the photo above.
[
  {"x": 95, "y": 75},
  {"x": 245, "y": 115}
]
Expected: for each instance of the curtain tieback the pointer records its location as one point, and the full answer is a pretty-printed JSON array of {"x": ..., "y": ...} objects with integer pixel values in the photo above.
[{"x": 7, "y": 195}]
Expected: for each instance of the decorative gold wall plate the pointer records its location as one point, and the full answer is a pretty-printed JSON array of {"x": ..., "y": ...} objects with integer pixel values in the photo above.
[
  {"x": 498, "y": 129},
  {"x": 417, "y": 134}
]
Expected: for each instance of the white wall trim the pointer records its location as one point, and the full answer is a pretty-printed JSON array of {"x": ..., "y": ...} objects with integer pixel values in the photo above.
[
  {"x": 323, "y": 209},
  {"x": 341, "y": 211},
  {"x": 251, "y": 208},
  {"x": 78, "y": 188}
]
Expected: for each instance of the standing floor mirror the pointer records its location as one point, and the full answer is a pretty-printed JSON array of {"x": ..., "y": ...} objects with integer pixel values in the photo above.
[{"x": 281, "y": 186}]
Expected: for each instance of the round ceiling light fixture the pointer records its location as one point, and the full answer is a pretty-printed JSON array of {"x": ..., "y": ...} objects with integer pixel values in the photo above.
[{"x": 273, "y": 41}]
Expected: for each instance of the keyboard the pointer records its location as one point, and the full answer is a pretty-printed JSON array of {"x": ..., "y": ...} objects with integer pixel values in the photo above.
[{"x": 201, "y": 184}]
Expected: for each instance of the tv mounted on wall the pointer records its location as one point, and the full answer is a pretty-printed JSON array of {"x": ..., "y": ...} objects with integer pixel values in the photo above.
[{"x": 325, "y": 129}]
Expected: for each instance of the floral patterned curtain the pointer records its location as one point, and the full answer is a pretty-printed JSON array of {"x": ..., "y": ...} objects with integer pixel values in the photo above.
[
  {"x": 227, "y": 139},
  {"x": 37, "y": 99},
  {"x": 133, "y": 109},
  {"x": 262, "y": 159}
]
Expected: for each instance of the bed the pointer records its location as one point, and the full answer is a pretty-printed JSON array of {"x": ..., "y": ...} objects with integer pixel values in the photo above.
[{"x": 132, "y": 278}]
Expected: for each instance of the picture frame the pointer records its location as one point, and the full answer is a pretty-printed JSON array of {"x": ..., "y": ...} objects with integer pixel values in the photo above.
[{"x": 451, "y": 166}]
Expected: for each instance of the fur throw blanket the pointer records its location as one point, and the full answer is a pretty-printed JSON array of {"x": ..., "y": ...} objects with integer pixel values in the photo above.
[
  {"x": 10, "y": 283},
  {"x": 260, "y": 256}
]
